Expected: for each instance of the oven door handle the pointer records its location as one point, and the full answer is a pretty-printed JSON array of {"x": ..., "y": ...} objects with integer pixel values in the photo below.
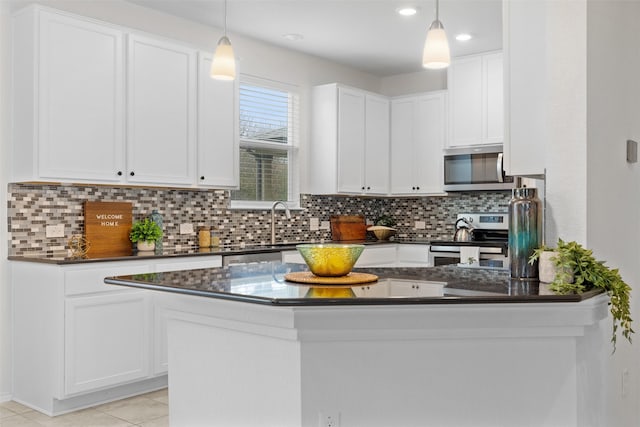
[{"x": 500, "y": 167}]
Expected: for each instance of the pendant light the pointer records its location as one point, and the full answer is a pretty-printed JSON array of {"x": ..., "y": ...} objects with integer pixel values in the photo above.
[
  {"x": 436, "y": 48},
  {"x": 223, "y": 66}
]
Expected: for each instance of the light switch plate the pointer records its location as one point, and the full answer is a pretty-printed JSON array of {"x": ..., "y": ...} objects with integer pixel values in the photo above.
[
  {"x": 325, "y": 225},
  {"x": 420, "y": 225},
  {"x": 314, "y": 224},
  {"x": 186, "y": 228}
]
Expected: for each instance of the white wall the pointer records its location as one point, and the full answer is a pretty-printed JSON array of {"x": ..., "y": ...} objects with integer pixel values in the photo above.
[
  {"x": 613, "y": 196},
  {"x": 421, "y": 81},
  {"x": 5, "y": 287}
]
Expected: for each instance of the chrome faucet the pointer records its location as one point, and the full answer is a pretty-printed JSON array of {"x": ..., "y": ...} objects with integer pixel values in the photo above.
[{"x": 273, "y": 218}]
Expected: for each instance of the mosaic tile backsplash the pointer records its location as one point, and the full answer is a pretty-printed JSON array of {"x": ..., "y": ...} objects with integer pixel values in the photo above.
[{"x": 33, "y": 206}]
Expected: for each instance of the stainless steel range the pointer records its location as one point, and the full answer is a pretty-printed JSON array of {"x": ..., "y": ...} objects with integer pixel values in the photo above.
[{"x": 490, "y": 241}]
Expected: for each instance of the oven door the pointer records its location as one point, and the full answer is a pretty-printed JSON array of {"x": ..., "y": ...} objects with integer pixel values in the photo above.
[{"x": 489, "y": 257}]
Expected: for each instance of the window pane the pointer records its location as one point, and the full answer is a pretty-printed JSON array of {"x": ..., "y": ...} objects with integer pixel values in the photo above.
[
  {"x": 264, "y": 114},
  {"x": 264, "y": 175}
]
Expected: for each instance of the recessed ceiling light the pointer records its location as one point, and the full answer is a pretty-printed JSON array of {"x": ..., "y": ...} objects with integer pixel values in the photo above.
[
  {"x": 407, "y": 11},
  {"x": 293, "y": 37},
  {"x": 463, "y": 37}
]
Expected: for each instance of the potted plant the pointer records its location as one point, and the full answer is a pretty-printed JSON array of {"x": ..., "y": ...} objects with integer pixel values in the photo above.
[
  {"x": 572, "y": 261},
  {"x": 383, "y": 227},
  {"x": 145, "y": 233}
]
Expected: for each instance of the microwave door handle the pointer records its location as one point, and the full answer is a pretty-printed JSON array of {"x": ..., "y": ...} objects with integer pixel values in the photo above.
[{"x": 499, "y": 167}]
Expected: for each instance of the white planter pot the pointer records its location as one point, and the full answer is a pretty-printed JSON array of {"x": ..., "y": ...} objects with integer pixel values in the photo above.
[
  {"x": 146, "y": 246},
  {"x": 547, "y": 269}
]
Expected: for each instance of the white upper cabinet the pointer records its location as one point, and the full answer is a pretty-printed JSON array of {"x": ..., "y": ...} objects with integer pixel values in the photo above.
[
  {"x": 527, "y": 89},
  {"x": 476, "y": 106},
  {"x": 75, "y": 87},
  {"x": 349, "y": 151},
  {"x": 68, "y": 98},
  {"x": 418, "y": 129},
  {"x": 161, "y": 104},
  {"x": 376, "y": 159},
  {"x": 218, "y": 151}
]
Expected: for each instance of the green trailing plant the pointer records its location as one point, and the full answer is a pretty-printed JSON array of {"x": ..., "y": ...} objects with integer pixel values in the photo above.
[
  {"x": 589, "y": 273},
  {"x": 386, "y": 220},
  {"x": 145, "y": 231}
]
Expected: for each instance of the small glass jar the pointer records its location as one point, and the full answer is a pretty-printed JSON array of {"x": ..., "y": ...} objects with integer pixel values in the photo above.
[
  {"x": 204, "y": 237},
  {"x": 215, "y": 239}
]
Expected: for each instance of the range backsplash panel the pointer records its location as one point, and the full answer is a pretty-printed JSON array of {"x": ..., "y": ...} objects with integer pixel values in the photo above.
[{"x": 33, "y": 206}]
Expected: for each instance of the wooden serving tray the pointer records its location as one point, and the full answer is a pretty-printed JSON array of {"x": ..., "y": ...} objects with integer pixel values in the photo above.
[{"x": 350, "y": 279}]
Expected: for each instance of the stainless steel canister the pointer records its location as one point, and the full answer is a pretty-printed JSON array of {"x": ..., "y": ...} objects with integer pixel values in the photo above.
[{"x": 525, "y": 232}]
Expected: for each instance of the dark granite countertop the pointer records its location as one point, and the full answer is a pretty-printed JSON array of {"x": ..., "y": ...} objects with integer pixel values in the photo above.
[
  {"x": 264, "y": 283},
  {"x": 62, "y": 258}
]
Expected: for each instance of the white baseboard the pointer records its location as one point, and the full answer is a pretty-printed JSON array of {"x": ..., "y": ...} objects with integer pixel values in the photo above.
[{"x": 5, "y": 397}]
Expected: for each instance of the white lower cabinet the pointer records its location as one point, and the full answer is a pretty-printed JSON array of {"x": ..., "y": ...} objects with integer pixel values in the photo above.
[
  {"x": 106, "y": 340},
  {"x": 79, "y": 342}
]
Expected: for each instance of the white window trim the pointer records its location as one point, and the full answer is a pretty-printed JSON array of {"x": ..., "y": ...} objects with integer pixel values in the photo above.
[{"x": 293, "y": 202}]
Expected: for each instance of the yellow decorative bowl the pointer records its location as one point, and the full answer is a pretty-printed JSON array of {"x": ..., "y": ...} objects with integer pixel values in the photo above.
[{"x": 330, "y": 259}]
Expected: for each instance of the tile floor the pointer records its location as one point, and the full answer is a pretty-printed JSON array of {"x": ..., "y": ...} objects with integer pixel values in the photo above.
[{"x": 146, "y": 410}]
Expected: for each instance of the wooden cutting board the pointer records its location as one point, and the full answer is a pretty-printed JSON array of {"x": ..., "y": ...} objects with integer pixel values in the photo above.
[
  {"x": 107, "y": 226},
  {"x": 348, "y": 227}
]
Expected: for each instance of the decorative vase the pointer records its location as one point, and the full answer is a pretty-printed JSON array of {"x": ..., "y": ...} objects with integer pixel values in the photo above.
[
  {"x": 157, "y": 218},
  {"x": 525, "y": 232},
  {"x": 144, "y": 246}
]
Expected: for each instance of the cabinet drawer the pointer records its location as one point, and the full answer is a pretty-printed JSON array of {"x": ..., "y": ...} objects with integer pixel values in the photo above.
[{"x": 91, "y": 280}]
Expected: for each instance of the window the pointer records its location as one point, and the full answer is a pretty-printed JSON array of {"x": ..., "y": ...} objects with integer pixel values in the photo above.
[{"x": 268, "y": 138}]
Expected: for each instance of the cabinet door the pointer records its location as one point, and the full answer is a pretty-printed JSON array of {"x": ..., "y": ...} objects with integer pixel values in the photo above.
[
  {"x": 106, "y": 340},
  {"x": 80, "y": 87},
  {"x": 402, "y": 136},
  {"x": 377, "y": 145},
  {"x": 218, "y": 151},
  {"x": 351, "y": 137},
  {"x": 161, "y": 112},
  {"x": 465, "y": 97},
  {"x": 429, "y": 143},
  {"x": 493, "y": 86}
]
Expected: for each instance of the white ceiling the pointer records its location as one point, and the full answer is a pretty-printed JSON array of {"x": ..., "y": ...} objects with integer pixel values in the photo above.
[{"x": 365, "y": 34}]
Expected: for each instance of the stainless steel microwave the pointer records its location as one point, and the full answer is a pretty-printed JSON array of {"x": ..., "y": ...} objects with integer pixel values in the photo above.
[{"x": 477, "y": 168}]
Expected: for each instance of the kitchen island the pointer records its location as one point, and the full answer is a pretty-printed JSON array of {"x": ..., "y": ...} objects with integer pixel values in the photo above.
[{"x": 445, "y": 346}]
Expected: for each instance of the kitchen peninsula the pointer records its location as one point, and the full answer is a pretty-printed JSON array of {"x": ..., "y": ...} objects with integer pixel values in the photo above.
[{"x": 446, "y": 346}]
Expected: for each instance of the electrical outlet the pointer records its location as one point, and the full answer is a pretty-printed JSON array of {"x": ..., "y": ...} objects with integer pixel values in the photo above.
[
  {"x": 54, "y": 230},
  {"x": 314, "y": 224},
  {"x": 186, "y": 228},
  {"x": 420, "y": 225},
  {"x": 329, "y": 419},
  {"x": 325, "y": 225}
]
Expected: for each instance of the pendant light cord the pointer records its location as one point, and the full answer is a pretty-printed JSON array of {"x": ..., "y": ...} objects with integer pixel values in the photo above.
[
  {"x": 225, "y": 18},
  {"x": 437, "y": 10}
]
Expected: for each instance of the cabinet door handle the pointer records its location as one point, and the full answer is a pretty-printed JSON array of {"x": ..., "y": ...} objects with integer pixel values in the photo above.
[
  {"x": 119, "y": 173},
  {"x": 202, "y": 178},
  {"x": 417, "y": 188},
  {"x": 413, "y": 188},
  {"x": 363, "y": 187},
  {"x": 132, "y": 173},
  {"x": 368, "y": 188}
]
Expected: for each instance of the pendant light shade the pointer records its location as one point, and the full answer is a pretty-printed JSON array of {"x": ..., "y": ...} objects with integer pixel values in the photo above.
[
  {"x": 436, "y": 48},
  {"x": 223, "y": 66}
]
